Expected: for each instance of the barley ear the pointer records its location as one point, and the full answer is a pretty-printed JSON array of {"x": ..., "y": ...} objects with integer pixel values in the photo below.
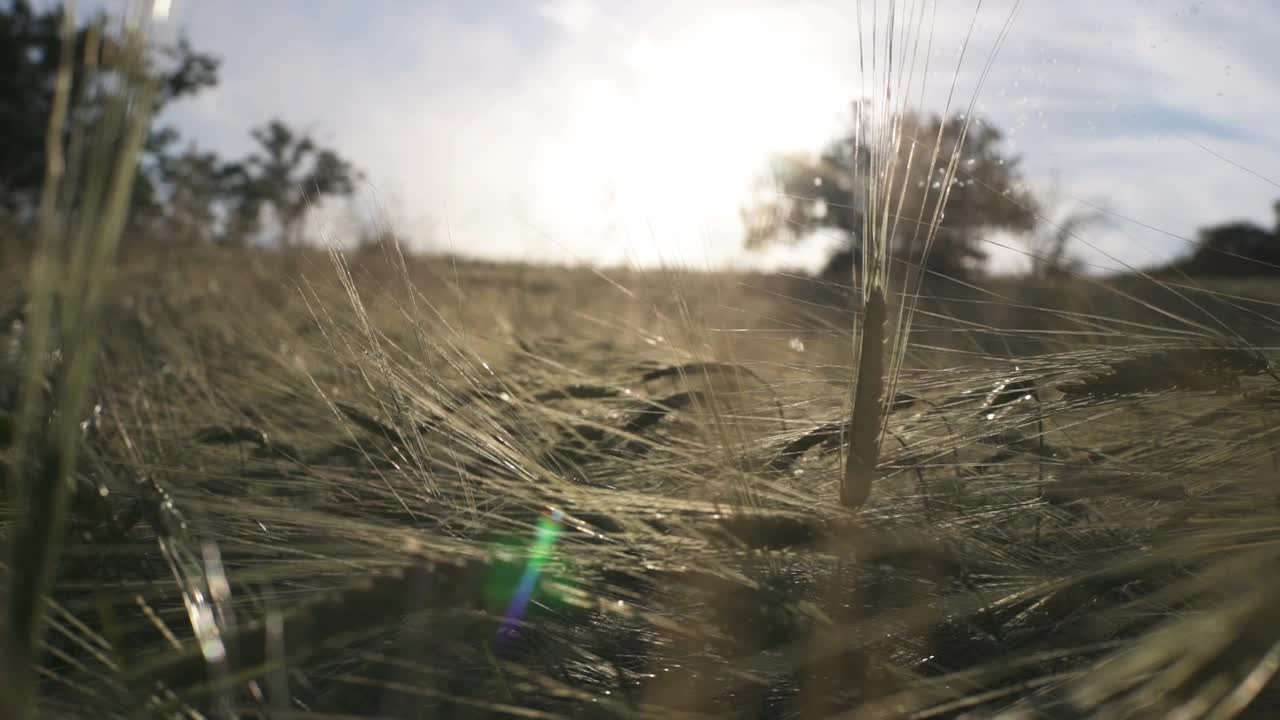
[{"x": 864, "y": 424}]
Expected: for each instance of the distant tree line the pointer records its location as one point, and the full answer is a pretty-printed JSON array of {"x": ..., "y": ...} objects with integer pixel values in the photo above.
[
  {"x": 833, "y": 191},
  {"x": 1235, "y": 249},
  {"x": 183, "y": 193}
]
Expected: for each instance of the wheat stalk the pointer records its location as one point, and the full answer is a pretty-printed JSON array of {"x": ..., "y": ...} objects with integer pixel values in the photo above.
[
  {"x": 69, "y": 284},
  {"x": 860, "y": 469}
]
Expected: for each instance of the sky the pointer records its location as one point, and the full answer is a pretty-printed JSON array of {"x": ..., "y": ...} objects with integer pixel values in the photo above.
[{"x": 633, "y": 132}]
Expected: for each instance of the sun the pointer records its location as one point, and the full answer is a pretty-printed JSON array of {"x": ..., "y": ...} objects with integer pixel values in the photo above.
[{"x": 669, "y": 141}]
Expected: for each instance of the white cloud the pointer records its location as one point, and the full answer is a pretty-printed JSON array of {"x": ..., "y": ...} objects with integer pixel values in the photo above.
[{"x": 572, "y": 15}]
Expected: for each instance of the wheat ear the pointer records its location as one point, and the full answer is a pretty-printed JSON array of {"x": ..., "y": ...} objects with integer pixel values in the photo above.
[{"x": 868, "y": 391}]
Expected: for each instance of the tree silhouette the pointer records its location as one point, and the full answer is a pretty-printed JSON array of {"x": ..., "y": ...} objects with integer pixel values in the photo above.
[
  {"x": 29, "y": 50},
  {"x": 833, "y": 192},
  {"x": 1237, "y": 249},
  {"x": 183, "y": 194},
  {"x": 1062, "y": 222},
  {"x": 199, "y": 187},
  {"x": 28, "y": 62},
  {"x": 1047, "y": 244},
  {"x": 288, "y": 174}
]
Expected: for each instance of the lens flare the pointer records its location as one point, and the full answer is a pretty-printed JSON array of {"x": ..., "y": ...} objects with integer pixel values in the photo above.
[{"x": 548, "y": 531}]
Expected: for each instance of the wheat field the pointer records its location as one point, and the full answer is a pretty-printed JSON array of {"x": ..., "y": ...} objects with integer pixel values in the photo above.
[
  {"x": 336, "y": 485},
  {"x": 321, "y": 498}
]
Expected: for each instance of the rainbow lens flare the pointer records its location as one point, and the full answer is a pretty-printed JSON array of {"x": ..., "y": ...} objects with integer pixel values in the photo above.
[{"x": 548, "y": 531}]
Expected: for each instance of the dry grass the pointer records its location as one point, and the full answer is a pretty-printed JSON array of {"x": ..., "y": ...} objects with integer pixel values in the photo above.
[
  {"x": 421, "y": 488},
  {"x": 343, "y": 480}
]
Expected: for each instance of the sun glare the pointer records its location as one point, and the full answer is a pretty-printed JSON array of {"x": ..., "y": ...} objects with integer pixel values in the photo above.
[{"x": 670, "y": 139}]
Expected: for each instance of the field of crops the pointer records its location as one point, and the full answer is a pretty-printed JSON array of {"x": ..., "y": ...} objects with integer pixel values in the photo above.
[
  {"x": 241, "y": 476},
  {"x": 317, "y": 487}
]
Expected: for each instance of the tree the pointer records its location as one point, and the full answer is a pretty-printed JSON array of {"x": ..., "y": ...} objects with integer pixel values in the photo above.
[
  {"x": 187, "y": 193},
  {"x": 1237, "y": 249},
  {"x": 198, "y": 185},
  {"x": 1047, "y": 244},
  {"x": 1062, "y": 222},
  {"x": 29, "y": 44},
  {"x": 834, "y": 191},
  {"x": 289, "y": 174},
  {"x": 28, "y": 63},
  {"x": 241, "y": 203}
]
